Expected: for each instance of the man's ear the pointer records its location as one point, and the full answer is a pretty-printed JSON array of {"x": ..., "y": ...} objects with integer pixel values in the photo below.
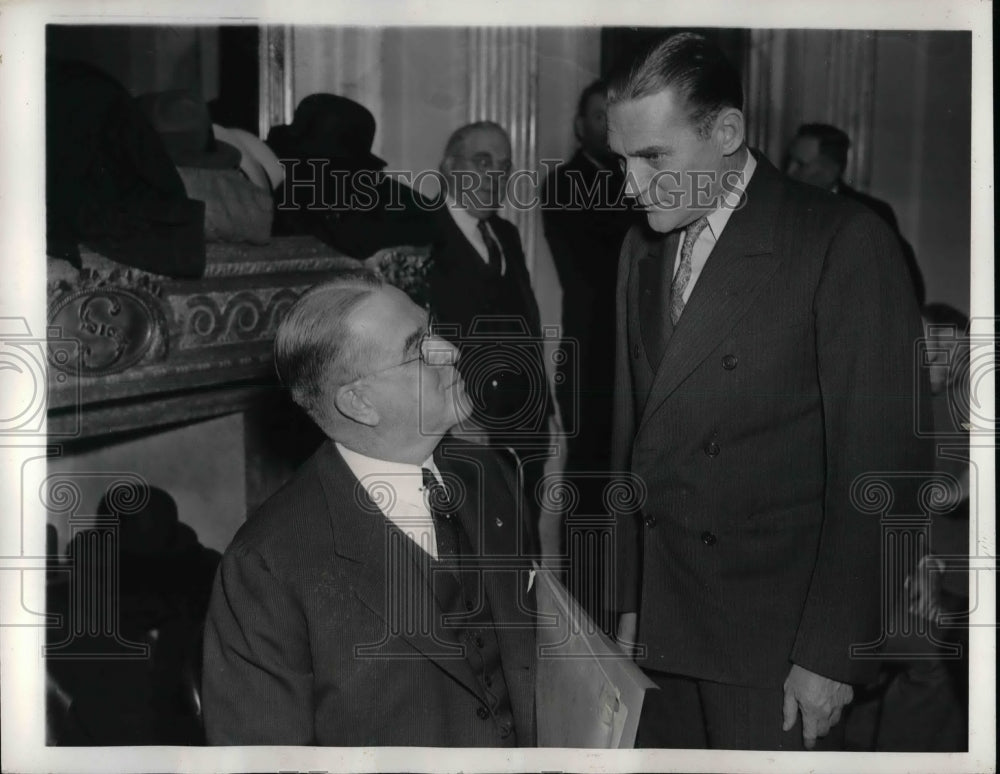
[
  {"x": 578, "y": 128},
  {"x": 730, "y": 130},
  {"x": 353, "y": 403}
]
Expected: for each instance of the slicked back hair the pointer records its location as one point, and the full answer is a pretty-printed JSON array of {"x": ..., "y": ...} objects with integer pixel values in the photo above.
[
  {"x": 694, "y": 67},
  {"x": 314, "y": 347}
]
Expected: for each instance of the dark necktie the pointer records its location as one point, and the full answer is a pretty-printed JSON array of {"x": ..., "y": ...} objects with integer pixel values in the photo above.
[
  {"x": 445, "y": 522},
  {"x": 492, "y": 248}
]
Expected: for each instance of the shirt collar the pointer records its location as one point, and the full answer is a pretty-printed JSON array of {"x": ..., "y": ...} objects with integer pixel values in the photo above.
[
  {"x": 718, "y": 218},
  {"x": 467, "y": 222},
  {"x": 369, "y": 469}
]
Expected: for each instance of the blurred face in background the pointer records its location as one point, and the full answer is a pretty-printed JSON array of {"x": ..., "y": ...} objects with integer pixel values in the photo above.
[
  {"x": 808, "y": 165},
  {"x": 592, "y": 126}
]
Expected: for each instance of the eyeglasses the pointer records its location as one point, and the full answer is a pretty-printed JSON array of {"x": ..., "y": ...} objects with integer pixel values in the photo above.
[
  {"x": 432, "y": 350},
  {"x": 483, "y": 162}
]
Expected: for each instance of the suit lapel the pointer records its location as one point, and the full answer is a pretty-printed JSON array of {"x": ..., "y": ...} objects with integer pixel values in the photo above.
[
  {"x": 391, "y": 573},
  {"x": 456, "y": 247},
  {"x": 741, "y": 262}
]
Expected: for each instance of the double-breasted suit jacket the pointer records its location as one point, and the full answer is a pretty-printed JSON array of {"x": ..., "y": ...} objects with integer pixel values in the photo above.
[
  {"x": 789, "y": 375},
  {"x": 319, "y": 627}
]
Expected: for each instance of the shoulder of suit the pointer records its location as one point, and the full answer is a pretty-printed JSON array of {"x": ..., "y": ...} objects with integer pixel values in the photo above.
[
  {"x": 297, "y": 505},
  {"x": 835, "y": 208}
]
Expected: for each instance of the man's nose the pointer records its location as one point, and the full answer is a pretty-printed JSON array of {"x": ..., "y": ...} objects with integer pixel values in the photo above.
[
  {"x": 633, "y": 186},
  {"x": 440, "y": 352}
]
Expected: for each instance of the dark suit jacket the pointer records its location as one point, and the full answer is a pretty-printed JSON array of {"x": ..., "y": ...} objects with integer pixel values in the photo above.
[
  {"x": 586, "y": 219},
  {"x": 460, "y": 278},
  {"x": 462, "y": 291},
  {"x": 884, "y": 210},
  {"x": 304, "y": 643},
  {"x": 585, "y": 225},
  {"x": 789, "y": 375}
]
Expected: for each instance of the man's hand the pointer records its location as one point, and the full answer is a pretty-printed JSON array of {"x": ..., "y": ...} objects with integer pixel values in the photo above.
[
  {"x": 820, "y": 700},
  {"x": 628, "y": 626}
]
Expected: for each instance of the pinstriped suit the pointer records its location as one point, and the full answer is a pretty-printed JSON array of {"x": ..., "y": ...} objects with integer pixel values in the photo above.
[{"x": 789, "y": 374}]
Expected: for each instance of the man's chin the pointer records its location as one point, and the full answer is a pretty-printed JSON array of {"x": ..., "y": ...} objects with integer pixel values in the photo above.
[{"x": 662, "y": 221}]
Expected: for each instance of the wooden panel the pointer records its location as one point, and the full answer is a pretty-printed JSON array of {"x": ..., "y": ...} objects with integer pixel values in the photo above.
[{"x": 130, "y": 350}]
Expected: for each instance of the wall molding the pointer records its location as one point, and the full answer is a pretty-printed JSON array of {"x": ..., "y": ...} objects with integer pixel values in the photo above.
[{"x": 503, "y": 87}]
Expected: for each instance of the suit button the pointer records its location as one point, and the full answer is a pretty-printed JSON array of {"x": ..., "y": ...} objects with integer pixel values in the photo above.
[
  {"x": 505, "y": 730},
  {"x": 712, "y": 449},
  {"x": 708, "y": 538},
  {"x": 635, "y": 351},
  {"x": 479, "y": 641},
  {"x": 482, "y": 712},
  {"x": 729, "y": 362},
  {"x": 649, "y": 521}
]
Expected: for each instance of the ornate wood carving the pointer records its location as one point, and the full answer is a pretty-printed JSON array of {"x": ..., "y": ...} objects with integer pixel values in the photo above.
[{"x": 130, "y": 350}]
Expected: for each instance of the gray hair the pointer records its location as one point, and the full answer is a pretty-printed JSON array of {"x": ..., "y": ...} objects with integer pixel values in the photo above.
[{"x": 314, "y": 345}]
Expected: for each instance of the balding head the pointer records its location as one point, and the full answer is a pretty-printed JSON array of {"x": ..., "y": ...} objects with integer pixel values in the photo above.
[{"x": 476, "y": 163}]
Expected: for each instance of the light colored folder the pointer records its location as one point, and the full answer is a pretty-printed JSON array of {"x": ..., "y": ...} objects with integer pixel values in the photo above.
[{"x": 588, "y": 692}]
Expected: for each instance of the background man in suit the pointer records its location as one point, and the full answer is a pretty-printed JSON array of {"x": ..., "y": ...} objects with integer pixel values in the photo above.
[
  {"x": 818, "y": 156},
  {"x": 327, "y": 623},
  {"x": 481, "y": 295},
  {"x": 585, "y": 218},
  {"x": 765, "y": 332}
]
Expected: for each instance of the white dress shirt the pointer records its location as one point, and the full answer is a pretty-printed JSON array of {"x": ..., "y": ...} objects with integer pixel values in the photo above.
[
  {"x": 717, "y": 220},
  {"x": 469, "y": 226},
  {"x": 398, "y": 490}
]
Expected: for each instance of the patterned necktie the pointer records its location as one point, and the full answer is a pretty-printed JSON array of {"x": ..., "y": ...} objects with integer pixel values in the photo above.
[
  {"x": 445, "y": 523},
  {"x": 492, "y": 248},
  {"x": 683, "y": 276}
]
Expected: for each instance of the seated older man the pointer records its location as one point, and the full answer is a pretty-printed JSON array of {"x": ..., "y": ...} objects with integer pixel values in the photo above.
[{"x": 355, "y": 606}]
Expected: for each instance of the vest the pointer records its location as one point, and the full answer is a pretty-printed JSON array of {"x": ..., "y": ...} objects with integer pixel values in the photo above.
[{"x": 468, "y": 621}]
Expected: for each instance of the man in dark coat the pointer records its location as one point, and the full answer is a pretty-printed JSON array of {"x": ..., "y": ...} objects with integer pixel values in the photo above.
[
  {"x": 766, "y": 332},
  {"x": 586, "y": 217},
  {"x": 818, "y": 156},
  {"x": 352, "y": 609},
  {"x": 481, "y": 294}
]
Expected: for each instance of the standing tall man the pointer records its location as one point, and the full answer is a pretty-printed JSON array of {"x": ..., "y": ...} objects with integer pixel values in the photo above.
[
  {"x": 352, "y": 609},
  {"x": 765, "y": 332},
  {"x": 481, "y": 295}
]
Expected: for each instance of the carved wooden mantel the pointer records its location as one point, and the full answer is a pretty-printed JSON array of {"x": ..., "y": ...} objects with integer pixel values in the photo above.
[{"x": 130, "y": 350}]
